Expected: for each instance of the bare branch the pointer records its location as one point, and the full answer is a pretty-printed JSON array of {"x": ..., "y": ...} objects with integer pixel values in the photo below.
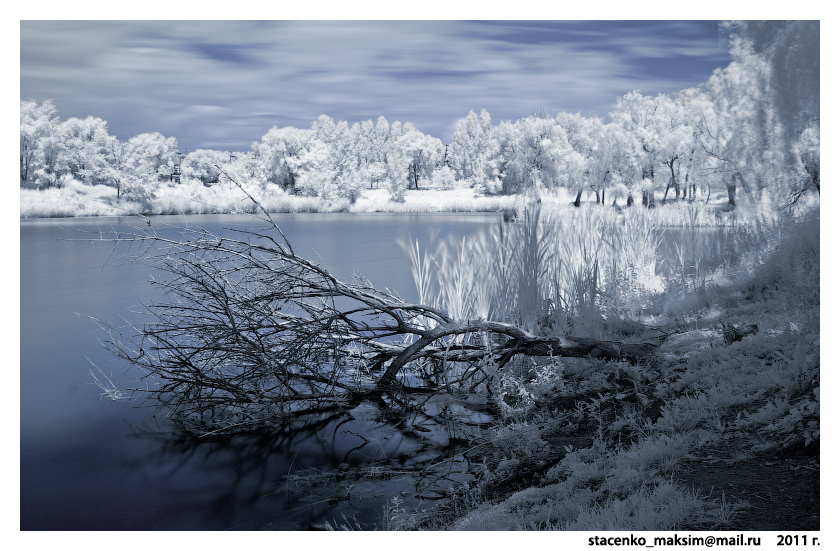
[{"x": 252, "y": 335}]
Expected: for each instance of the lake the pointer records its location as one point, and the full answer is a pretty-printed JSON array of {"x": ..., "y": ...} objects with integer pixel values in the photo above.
[{"x": 92, "y": 463}]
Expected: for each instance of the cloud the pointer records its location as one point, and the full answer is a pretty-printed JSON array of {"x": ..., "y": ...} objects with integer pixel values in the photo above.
[{"x": 151, "y": 75}]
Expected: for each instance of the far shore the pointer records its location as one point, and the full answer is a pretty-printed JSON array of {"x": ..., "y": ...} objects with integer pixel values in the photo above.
[{"x": 77, "y": 200}]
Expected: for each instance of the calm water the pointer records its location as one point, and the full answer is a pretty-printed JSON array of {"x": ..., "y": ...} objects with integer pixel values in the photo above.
[{"x": 90, "y": 463}]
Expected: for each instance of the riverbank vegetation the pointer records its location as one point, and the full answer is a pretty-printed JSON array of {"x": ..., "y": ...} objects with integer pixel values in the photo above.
[{"x": 705, "y": 434}]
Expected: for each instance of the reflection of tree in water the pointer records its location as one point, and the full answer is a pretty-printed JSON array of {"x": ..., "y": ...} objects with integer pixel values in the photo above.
[{"x": 340, "y": 466}]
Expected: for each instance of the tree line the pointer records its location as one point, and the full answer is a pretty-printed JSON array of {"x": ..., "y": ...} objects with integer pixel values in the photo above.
[{"x": 752, "y": 125}]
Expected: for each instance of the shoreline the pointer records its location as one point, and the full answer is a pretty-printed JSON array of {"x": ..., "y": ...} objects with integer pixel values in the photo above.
[{"x": 81, "y": 201}]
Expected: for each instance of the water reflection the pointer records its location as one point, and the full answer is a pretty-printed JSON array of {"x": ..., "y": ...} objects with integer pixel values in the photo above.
[
  {"x": 344, "y": 466},
  {"x": 79, "y": 469}
]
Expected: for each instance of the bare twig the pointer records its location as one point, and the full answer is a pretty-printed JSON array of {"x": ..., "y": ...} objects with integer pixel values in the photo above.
[{"x": 253, "y": 335}]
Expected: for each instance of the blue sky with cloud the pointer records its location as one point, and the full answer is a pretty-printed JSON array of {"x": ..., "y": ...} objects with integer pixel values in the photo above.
[{"x": 223, "y": 84}]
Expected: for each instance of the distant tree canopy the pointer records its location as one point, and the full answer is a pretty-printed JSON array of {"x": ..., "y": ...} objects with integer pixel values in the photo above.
[{"x": 754, "y": 124}]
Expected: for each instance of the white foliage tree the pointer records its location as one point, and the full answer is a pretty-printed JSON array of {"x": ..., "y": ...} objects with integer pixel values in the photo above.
[
  {"x": 279, "y": 154},
  {"x": 149, "y": 158},
  {"x": 38, "y": 122},
  {"x": 424, "y": 153},
  {"x": 204, "y": 165},
  {"x": 736, "y": 132},
  {"x": 85, "y": 143},
  {"x": 316, "y": 171},
  {"x": 783, "y": 57},
  {"x": 474, "y": 152},
  {"x": 538, "y": 154},
  {"x": 637, "y": 114}
]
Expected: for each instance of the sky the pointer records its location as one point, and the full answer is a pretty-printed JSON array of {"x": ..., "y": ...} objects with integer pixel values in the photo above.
[{"x": 224, "y": 84}]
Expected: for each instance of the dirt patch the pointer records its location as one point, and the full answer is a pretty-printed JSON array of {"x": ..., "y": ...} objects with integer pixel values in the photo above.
[{"x": 780, "y": 491}]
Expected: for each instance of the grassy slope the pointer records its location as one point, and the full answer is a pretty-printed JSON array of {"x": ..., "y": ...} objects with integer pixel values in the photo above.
[{"x": 708, "y": 435}]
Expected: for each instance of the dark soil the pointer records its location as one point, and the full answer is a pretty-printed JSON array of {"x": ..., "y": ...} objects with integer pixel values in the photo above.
[{"x": 779, "y": 490}]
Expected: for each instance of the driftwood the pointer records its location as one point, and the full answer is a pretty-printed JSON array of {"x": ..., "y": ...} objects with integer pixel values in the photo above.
[
  {"x": 251, "y": 334},
  {"x": 734, "y": 334}
]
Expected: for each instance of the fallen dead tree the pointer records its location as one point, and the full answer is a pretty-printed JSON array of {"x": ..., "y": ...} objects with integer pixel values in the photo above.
[{"x": 252, "y": 335}]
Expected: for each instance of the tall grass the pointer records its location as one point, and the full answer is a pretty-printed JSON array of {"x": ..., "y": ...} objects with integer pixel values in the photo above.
[
  {"x": 544, "y": 271},
  {"x": 557, "y": 269},
  {"x": 426, "y": 201},
  {"x": 73, "y": 199}
]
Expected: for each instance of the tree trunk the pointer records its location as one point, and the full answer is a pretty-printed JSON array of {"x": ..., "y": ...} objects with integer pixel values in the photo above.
[
  {"x": 730, "y": 191},
  {"x": 577, "y": 199},
  {"x": 733, "y": 334},
  {"x": 672, "y": 182},
  {"x": 745, "y": 186}
]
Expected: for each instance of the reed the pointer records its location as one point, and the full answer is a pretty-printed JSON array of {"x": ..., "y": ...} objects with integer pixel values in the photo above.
[{"x": 548, "y": 270}]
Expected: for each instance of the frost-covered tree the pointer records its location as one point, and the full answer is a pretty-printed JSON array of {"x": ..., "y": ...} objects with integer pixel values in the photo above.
[
  {"x": 371, "y": 143},
  {"x": 736, "y": 130},
  {"x": 334, "y": 152},
  {"x": 673, "y": 124},
  {"x": 396, "y": 180},
  {"x": 381, "y": 140},
  {"x": 116, "y": 156},
  {"x": 423, "y": 152},
  {"x": 786, "y": 55},
  {"x": 279, "y": 154},
  {"x": 396, "y": 131},
  {"x": 506, "y": 178},
  {"x": 53, "y": 163},
  {"x": 44, "y": 155},
  {"x": 607, "y": 157},
  {"x": 443, "y": 178},
  {"x": 85, "y": 143},
  {"x": 316, "y": 171},
  {"x": 37, "y": 122},
  {"x": 204, "y": 165},
  {"x": 637, "y": 114},
  {"x": 578, "y": 135},
  {"x": 149, "y": 158},
  {"x": 541, "y": 152},
  {"x": 243, "y": 167},
  {"x": 474, "y": 152}
]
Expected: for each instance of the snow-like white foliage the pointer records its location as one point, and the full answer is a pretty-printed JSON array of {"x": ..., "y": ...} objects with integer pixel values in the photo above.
[{"x": 754, "y": 125}]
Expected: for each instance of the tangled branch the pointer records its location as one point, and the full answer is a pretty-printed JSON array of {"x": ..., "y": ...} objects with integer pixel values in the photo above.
[{"x": 251, "y": 335}]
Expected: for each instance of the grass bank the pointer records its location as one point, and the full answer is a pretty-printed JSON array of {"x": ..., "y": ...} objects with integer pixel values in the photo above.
[
  {"x": 75, "y": 199},
  {"x": 720, "y": 430},
  {"x": 192, "y": 197}
]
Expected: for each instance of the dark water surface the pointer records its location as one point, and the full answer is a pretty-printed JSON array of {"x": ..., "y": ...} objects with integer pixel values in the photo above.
[{"x": 89, "y": 463}]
